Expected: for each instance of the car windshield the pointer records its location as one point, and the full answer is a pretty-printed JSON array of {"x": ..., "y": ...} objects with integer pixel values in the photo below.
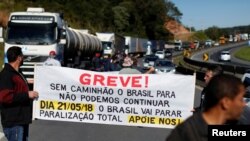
[
  {"x": 224, "y": 52},
  {"x": 160, "y": 52},
  {"x": 150, "y": 58},
  {"x": 164, "y": 63}
]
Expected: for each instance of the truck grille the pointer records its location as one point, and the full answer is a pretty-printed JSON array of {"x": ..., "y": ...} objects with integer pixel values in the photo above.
[
  {"x": 28, "y": 69},
  {"x": 29, "y": 64}
]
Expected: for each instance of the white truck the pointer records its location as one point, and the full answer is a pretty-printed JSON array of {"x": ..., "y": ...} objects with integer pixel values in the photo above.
[
  {"x": 111, "y": 42},
  {"x": 178, "y": 45},
  {"x": 38, "y": 32},
  {"x": 136, "y": 45}
]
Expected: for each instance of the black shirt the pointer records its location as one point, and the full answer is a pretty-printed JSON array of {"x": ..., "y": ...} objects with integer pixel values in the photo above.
[{"x": 193, "y": 129}]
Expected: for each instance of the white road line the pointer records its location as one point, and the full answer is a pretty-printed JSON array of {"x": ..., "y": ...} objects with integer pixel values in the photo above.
[{"x": 198, "y": 87}]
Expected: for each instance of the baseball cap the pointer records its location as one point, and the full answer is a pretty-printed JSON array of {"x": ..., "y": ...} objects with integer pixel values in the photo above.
[{"x": 52, "y": 53}]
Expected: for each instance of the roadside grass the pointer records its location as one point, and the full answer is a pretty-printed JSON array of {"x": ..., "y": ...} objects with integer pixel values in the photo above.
[{"x": 243, "y": 53}]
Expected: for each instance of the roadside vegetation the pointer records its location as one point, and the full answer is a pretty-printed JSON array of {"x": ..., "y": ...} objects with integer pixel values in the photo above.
[
  {"x": 139, "y": 18},
  {"x": 243, "y": 53},
  {"x": 126, "y": 17}
]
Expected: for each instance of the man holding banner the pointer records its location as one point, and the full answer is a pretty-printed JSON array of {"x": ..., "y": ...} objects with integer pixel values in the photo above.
[{"x": 15, "y": 98}]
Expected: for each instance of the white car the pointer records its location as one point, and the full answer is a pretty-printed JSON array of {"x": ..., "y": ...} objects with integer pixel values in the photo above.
[
  {"x": 149, "y": 61},
  {"x": 225, "y": 56},
  {"x": 164, "y": 66},
  {"x": 160, "y": 54},
  {"x": 216, "y": 44},
  {"x": 208, "y": 43}
]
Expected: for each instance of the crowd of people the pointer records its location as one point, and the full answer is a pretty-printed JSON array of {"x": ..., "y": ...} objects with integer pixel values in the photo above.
[
  {"x": 221, "y": 99},
  {"x": 104, "y": 63},
  {"x": 122, "y": 63}
]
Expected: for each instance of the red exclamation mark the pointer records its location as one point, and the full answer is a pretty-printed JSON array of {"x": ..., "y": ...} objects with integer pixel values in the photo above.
[{"x": 146, "y": 81}]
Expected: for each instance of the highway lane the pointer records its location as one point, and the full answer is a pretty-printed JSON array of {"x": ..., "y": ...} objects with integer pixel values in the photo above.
[
  {"x": 68, "y": 131},
  {"x": 214, "y": 53}
]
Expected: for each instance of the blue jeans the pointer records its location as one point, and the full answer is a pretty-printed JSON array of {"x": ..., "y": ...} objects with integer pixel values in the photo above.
[{"x": 17, "y": 133}]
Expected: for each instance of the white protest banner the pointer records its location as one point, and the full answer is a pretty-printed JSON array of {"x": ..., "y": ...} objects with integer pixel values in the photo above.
[{"x": 150, "y": 100}]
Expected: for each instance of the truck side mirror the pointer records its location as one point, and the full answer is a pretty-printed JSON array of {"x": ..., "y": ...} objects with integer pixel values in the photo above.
[
  {"x": 62, "y": 36},
  {"x": 62, "y": 41}
]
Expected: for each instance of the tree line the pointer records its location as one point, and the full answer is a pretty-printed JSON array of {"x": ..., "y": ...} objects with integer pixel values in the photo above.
[{"x": 139, "y": 18}]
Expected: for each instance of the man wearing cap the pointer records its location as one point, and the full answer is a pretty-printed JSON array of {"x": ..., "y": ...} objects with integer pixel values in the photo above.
[
  {"x": 129, "y": 69},
  {"x": 51, "y": 61}
]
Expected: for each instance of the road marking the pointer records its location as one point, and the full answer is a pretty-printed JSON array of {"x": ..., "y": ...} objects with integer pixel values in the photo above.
[{"x": 198, "y": 87}]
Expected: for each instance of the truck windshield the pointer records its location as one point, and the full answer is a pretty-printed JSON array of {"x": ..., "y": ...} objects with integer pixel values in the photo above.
[
  {"x": 177, "y": 43},
  {"x": 31, "y": 34},
  {"x": 106, "y": 45}
]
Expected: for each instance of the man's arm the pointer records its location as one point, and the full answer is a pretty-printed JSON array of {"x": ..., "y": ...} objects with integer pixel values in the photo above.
[{"x": 151, "y": 70}]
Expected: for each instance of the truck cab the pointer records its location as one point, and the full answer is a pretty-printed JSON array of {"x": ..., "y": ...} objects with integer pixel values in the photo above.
[
  {"x": 178, "y": 45},
  {"x": 112, "y": 43},
  {"x": 38, "y": 32}
]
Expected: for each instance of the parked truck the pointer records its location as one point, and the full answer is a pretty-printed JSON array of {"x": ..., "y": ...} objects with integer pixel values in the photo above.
[
  {"x": 136, "y": 45},
  {"x": 178, "y": 45},
  {"x": 112, "y": 43},
  {"x": 38, "y": 32}
]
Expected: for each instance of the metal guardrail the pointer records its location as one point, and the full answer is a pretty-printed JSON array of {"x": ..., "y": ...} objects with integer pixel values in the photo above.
[
  {"x": 201, "y": 65},
  {"x": 228, "y": 68}
]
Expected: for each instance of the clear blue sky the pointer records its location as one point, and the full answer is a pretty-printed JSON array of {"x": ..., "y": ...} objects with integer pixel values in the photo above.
[{"x": 202, "y": 14}]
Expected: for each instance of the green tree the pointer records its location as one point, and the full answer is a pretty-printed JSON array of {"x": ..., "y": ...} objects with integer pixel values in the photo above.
[
  {"x": 199, "y": 35},
  {"x": 153, "y": 16},
  {"x": 130, "y": 17},
  {"x": 120, "y": 18},
  {"x": 214, "y": 33},
  {"x": 173, "y": 12}
]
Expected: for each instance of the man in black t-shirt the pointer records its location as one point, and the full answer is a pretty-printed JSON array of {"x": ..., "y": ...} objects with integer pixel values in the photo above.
[{"x": 224, "y": 102}]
